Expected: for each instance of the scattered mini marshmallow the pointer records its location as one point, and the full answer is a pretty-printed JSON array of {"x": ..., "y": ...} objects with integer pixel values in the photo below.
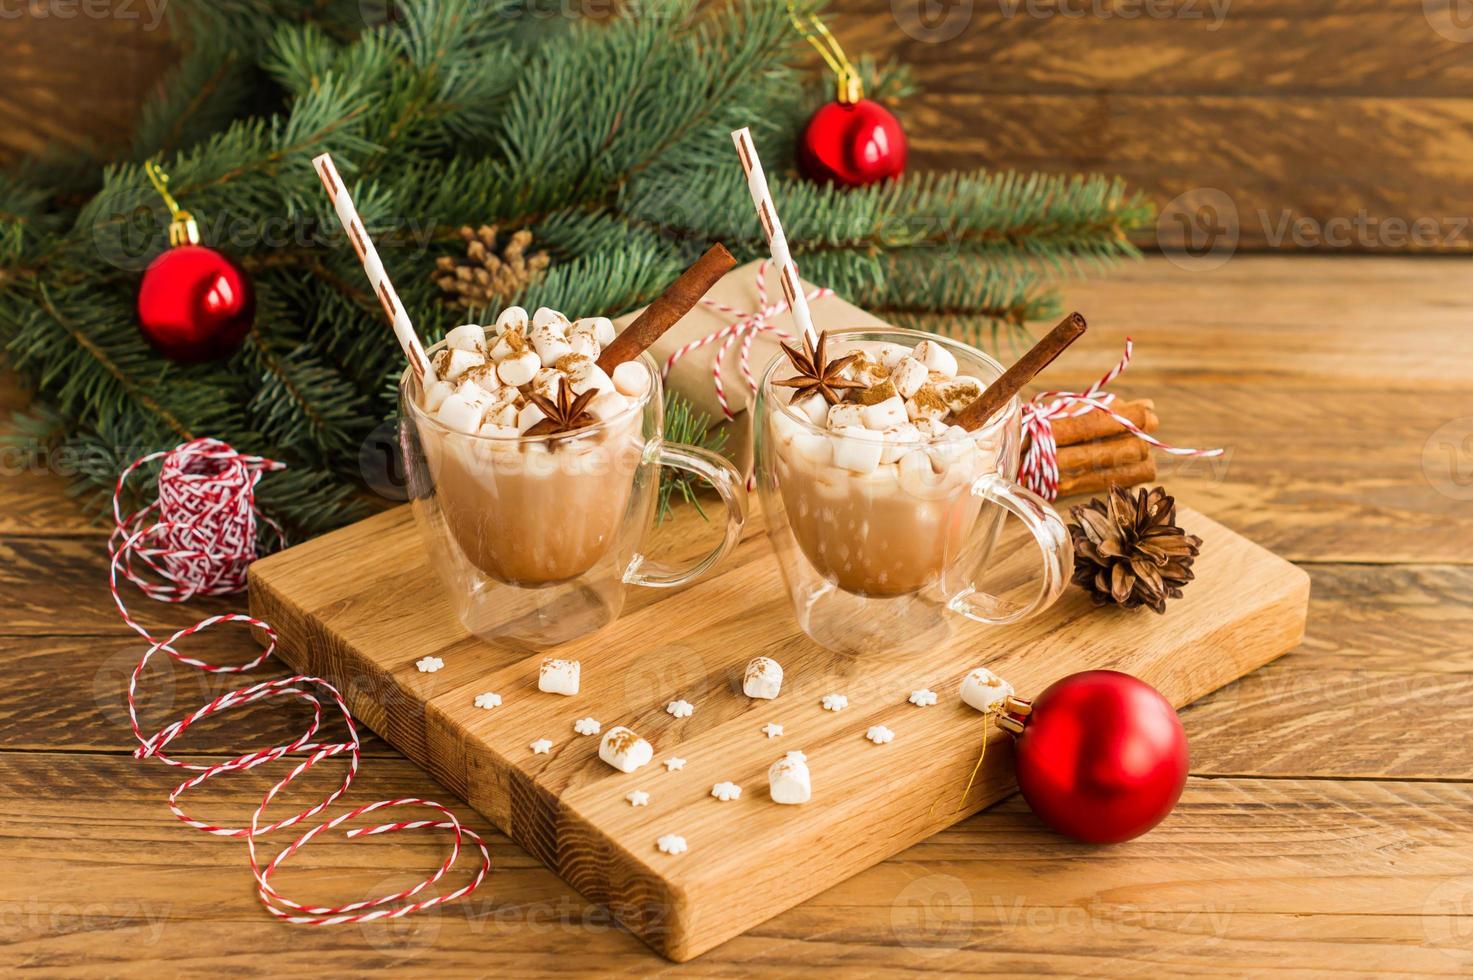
[
  {"x": 510, "y": 344},
  {"x": 624, "y": 750},
  {"x": 673, "y": 763},
  {"x": 457, "y": 362},
  {"x": 546, "y": 316},
  {"x": 811, "y": 407},
  {"x": 638, "y": 798},
  {"x": 488, "y": 700},
  {"x": 788, "y": 779},
  {"x": 763, "y": 679},
  {"x": 672, "y": 844},
  {"x": 547, "y": 382},
  {"x": 772, "y": 729},
  {"x": 529, "y": 415},
  {"x": 845, "y": 415},
  {"x": 519, "y": 369},
  {"x": 891, "y": 355},
  {"x": 959, "y": 392},
  {"x": 500, "y": 421},
  {"x": 885, "y": 415},
  {"x": 982, "y": 689},
  {"x": 428, "y": 665},
  {"x": 681, "y": 709},
  {"x": 541, "y": 747},
  {"x": 467, "y": 336},
  {"x": 559, "y": 676},
  {"x": 899, "y": 441},
  {"x": 631, "y": 379},
  {"x": 601, "y": 326},
  {"x": 584, "y": 345},
  {"x": 726, "y": 791},
  {"x": 464, "y": 411},
  {"x": 512, "y": 318},
  {"x": 879, "y": 734},
  {"x": 587, "y": 726},
  {"x": 908, "y": 376},
  {"x": 584, "y": 375},
  {"x": 935, "y": 357},
  {"x": 857, "y": 449},
  {"x": 835, "y": 702},
  {"x": 435, "y": 394},
  {"x": 923, "y": 698},
  {"x": 607, "y": 404}
]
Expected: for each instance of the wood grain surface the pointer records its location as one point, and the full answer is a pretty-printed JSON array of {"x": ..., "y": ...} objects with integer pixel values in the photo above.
[
  {"x": 1324, "y": 829},
  {"x": 1332, "y": 125}
]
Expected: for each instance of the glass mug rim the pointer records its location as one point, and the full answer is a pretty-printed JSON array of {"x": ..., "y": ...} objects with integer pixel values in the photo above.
[
  {"x": 997, "y": 422},
  {"x": 637, "y": 405}
]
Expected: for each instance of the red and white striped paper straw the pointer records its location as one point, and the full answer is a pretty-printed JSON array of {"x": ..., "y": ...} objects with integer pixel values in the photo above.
[
  {"x": 772, "y": 227},
  {"x": 374, "y": 267}
]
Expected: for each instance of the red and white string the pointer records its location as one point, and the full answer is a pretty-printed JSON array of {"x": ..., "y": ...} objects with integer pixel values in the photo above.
[
  {"x": 1040, "y": 466},
  {"x": 750, "y": 325},
  {"x": 199, "y": 537}
]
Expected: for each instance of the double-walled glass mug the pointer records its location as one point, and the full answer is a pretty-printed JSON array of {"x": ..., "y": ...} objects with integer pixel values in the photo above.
[
  {"x": 884, "y": 559},
  {"x": 537, "y": 538}
]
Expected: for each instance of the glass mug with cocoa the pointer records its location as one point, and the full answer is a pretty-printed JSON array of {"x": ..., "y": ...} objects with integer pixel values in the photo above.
[
  {"x": 885, "y": 514},
  {"x": 534, "y": 475}
]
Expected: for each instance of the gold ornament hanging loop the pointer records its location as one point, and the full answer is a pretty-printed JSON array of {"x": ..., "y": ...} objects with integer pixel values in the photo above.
[
  {"x": 816, "y": 33},
  {"x": 183, "y": 230}
]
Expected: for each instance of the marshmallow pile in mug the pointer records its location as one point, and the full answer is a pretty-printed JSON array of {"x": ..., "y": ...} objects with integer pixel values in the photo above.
[
  {"x": 904, "y": 399},
  {"x": 486, "y": 376}
]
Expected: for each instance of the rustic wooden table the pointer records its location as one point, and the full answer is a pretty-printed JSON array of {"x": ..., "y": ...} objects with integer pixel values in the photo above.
[{"x": 1326, "y": 824}]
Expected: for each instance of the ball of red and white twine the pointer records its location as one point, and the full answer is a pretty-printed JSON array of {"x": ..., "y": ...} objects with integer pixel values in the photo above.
[
  {"x": 199, "y": 536},
  {"x": 1039, "y": 470}
]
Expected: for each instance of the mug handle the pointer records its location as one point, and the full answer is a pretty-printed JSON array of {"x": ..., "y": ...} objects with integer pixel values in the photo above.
[
  {"x": 1051, "y": 535},
  {"x": 717, "y": 471}
]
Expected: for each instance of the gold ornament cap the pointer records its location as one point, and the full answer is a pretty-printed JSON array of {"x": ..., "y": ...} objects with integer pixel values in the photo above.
[{"x": 183, "y": 229}]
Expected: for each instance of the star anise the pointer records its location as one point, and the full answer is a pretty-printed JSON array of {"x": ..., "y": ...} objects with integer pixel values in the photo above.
[
  {"x": 816, "y": 374},
  {"x": 565, "y": 413}
]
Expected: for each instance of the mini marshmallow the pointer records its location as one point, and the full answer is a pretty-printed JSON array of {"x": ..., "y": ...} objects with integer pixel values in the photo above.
[
  {"x": 726, "y": 791},
  {"x": 885, "y": 415},
  {"x": 926, "y": 405},
  {"x": 559, "y": 676},
  {"x": 631, "y": 379},
  {"x": 529, "y": 415},
  {"x": 908, "y": 376},
  {"x": 511, "y": 318},
  {"x": 508, "y": 344},
  {"x": 672, "y": 844},
  {"x": 584, "y": 345},
  {"x": 960, "y": 392},
  {"x": 935, "y": 357},
  {"x": 435, "y": 394},
  {"x": 546, "y": 316},
  {"x": 467, "y": 336},
  {"x": 463, "y": 411},
  {"x": 866, "y": 371},
  {"x": 982, "y": 689},
  {"x": 519, "y": 369},
  {"x": 624, "y": 750},
  {"x": 502, "y": 414},
  {"x": 891, "y": 355},
  {"x": 900, "y": 441},
  {"x": 857, "y": 450},
  {"x": 814, "y": 447},
  {"x": 845, "y": 415},
  {"x": 550, "y": 348},
  {"x": 583, "y": 374},
  {"x": 763, "y": 679},
  {"x": 459, "y": 362},
  {"x": 812, "y": 408},
  {"x": 495, "y": 431},
  {"x": 788, "y": 779},
  {"x": 600, "y": 328},
  {"x": 546, "y": 383},
  {"x": 607, "y": 404}
]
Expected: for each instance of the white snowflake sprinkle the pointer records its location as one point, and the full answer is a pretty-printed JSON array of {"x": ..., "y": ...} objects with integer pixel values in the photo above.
[
  {"x": 772, "y": 730},
  {"x": 542, "y": 746},
  {"x": 638, "y": 798},
  {"x": 488, "y": 700},
  {"x": 428, "y": 665},
  {"x": 726, "y": 791},
  {"x": 587, "y": 726},
  {"x": 922, "y": 698},
  {"x": 835, "y": 702},
  {"x": 672, "y": 844},
  {"x": 879, "y": 734},
  {"x": 680, "y": 709},
  {"x": 673, "y": 763}
]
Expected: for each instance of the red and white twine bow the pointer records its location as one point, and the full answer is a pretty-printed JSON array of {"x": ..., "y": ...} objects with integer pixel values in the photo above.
[
  {"x": 1040, "y": 467},
  {"x": 199, "y": 536},
  {"x": 751, "y": 324}
]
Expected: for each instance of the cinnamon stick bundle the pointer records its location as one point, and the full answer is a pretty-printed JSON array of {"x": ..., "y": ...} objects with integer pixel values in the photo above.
[
  {"x": 675, "y": 302},
  {"x": 1099, "y": 425},
  {"x": 1101, "y": 454},
  {"x": 1095, "y": 480}
]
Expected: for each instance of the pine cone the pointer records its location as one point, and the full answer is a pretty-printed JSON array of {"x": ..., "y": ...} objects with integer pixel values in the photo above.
[
  {"x": 486, "y": 276},
  {"x": 1129, "y": 551}
]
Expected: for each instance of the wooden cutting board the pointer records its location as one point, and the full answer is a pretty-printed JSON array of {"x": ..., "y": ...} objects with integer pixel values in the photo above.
[{"x": 359, "y": 606}]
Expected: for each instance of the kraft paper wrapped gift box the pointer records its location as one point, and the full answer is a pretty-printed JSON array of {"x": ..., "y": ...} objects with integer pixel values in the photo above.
[{"x": 733, "y": 301}]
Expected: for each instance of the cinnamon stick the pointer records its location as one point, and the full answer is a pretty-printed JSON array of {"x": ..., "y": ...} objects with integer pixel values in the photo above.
[
  {"x": 1099, "y": 425},
  {"x": 1023, "y": 371},
  {"x": 1101, "y": 454},
  {"x": 675, "y": 302},
  {"x": 1093, "y": 481}
]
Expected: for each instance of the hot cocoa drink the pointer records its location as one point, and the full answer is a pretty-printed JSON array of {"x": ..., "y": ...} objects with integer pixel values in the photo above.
[{"x": 875, "y": 477}]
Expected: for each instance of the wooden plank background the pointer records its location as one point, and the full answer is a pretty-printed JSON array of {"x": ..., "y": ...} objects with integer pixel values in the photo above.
[
  {"x": 1325, "y": 826},
  {"x": 1322, "y": 125}
]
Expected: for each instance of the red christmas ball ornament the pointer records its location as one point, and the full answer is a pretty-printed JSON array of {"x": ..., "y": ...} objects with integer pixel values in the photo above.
[
  {"x": 1100, "y": 756},
  {"x": 194, "y": 304},
  {"x": 852, "y": 144}
]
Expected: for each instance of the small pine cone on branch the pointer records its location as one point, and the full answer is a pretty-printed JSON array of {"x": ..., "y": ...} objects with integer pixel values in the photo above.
[{"x": 487, "y": 275}]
